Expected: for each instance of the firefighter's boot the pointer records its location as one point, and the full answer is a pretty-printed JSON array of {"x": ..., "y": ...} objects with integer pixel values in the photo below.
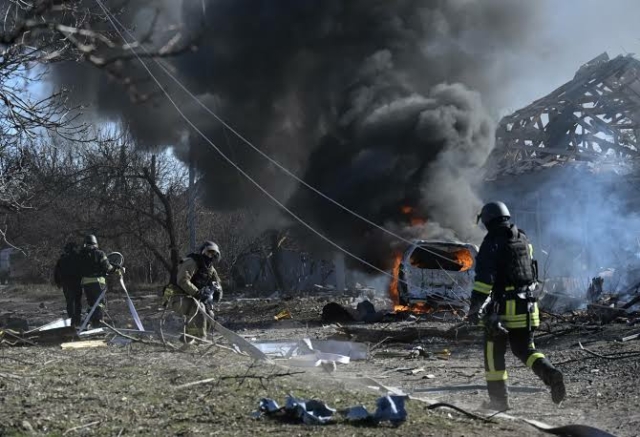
[
  {"x": 498, "y": 396},
  {"x": 552, "y": 377}
]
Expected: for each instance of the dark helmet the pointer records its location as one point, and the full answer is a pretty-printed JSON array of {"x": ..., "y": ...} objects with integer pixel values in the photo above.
[
  {"x": 210, "y": 246},
  {"x": 90, "y": 240},
  {"x": 70, "y": 247},
  {"x": 492, "y": 211}
]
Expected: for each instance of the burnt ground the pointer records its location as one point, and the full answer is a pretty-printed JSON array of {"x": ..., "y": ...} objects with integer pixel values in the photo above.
[{"x": 135, "y": 389}]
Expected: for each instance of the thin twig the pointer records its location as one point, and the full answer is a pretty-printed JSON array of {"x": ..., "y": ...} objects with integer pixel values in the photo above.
[
  {"x": 151, "y": 343},
  {"x": 378, "y": 344},
  {"x": 616, "y": 356},
  {"x": 77, "y": 428},
  {"x": 191, "y": 384},
  {"x": 241, "y": 377}
]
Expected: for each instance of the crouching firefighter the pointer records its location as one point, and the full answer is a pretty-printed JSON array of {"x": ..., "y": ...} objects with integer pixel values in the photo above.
[
  {"x": 506, "y": 274},
  {"x": 197, "y": 279}
]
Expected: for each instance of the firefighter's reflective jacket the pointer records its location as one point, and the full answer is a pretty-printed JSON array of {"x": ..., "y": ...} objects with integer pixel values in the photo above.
[
  {"x": 194, "y": 272},
  {"x": 94, "y": 266},
  {"x": 506, "y": 270}
]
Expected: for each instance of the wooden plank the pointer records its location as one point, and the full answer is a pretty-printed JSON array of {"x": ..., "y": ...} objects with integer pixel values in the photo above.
[{"x": 83, "y": 344}]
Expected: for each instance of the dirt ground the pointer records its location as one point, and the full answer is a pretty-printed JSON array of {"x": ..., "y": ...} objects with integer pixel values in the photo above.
[{"x": 136, "y": 389}]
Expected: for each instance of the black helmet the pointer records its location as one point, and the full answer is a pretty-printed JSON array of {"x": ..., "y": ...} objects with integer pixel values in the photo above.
[
  {"x": 211, "y": 246},
  {"x": 492, "y": 211},
  {"x": 90, "y": 240}
]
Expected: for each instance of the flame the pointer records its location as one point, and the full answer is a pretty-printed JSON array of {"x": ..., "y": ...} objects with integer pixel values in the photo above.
[
  {"x": 418, "y": 308},
  {"x": 461, "y": 261},
  {"x": 417, "y": 221},
  {"x": 406, "y": 209},
  {"x": 394, "y": 292},
  {"x": 413, "y": 219},
  {"x": 464, "y": 258}
]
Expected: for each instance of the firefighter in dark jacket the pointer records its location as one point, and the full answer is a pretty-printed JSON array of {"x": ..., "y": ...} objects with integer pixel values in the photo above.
[
  {"x": 196, "y": 278},
  {"x": 506, "y": 273},
  {"x": 66, "y": 275},
  {"x": 95, "y": 266}
]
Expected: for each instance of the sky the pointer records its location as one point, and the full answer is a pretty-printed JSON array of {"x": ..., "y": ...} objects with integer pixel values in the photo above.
[{"x": 574, "y": 32}]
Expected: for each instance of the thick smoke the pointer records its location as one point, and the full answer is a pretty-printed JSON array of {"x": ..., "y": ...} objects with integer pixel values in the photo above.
[
  {"x": 370, "y": 101},
  {"x": 582, "y": 220}
]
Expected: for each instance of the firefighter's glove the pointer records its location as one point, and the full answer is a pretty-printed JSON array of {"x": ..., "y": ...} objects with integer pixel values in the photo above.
[
  {"x": 217, "y": 292},
  {"x": 118, "y": 271},
  {"x": 494, "y": 326},
  {"x": 205, "y": 295}
]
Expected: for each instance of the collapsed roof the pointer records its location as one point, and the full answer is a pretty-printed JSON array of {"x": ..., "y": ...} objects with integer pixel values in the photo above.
[{"x": 595, "y": 117}]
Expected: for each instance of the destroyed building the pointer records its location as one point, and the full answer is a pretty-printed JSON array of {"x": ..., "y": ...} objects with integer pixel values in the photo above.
[{"x": 567, "y": 166}]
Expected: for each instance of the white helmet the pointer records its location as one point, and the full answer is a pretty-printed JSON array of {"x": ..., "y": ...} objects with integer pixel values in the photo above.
[{"x": 210, "y": 246}]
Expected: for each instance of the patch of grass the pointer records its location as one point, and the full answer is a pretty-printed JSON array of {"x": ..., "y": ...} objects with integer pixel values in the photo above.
[{"x": 136, "y": 391}]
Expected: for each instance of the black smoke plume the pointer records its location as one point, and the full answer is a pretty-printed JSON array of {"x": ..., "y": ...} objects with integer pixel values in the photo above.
[{"x": 370, "y": 101}]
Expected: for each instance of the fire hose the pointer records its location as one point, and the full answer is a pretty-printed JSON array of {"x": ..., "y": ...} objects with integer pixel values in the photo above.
[{"x": 117, "y": 260}]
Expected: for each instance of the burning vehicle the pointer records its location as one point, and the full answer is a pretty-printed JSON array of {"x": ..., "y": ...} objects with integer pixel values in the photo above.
[{"x": 432, "y": 273}]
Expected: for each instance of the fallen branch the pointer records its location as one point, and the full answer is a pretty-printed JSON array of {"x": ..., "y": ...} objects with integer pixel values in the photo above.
[
  {"x": 406, "y": 335},
  {"x": 378, "y": 344},
  {"x": 615, "y": 356},
  {"x": 243, "y": 377},
  {"x": 129, "y": 337},
  {"x": 78, "y": 428},
  {"x": 191, "y": 384},
  {"x": 261, "y": 377}
]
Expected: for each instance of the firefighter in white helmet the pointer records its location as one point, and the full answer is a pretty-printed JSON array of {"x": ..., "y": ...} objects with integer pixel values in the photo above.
[{"x": 197, "y": 278}]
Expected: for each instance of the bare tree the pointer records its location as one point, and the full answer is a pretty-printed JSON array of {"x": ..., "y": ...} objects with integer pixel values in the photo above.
[{"x": 36, "y": 34}]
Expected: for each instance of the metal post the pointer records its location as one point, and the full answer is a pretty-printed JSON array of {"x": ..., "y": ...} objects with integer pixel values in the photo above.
[
  {"x": 192, "y": 200},
  {"x": 340, "y": 270}
]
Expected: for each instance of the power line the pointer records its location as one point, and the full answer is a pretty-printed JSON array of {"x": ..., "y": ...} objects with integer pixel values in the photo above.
[
  {"x": 265, "y": 155},
  {"x": 112, "y": 19}
]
